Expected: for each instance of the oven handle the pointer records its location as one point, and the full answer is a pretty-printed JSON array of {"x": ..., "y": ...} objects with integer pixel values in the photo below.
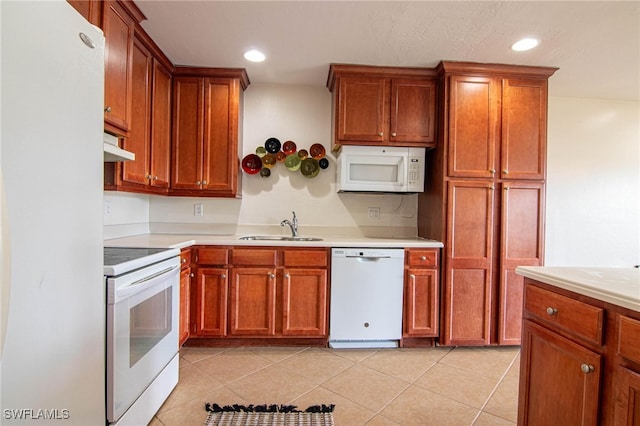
[{"x": 145, "y": 283}]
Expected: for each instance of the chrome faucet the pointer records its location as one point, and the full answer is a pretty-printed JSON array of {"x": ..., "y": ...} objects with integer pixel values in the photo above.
[{"x": 293, "y": 224}]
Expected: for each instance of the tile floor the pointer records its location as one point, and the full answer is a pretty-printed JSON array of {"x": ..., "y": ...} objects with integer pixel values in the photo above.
[{"x": 430, "y": 386}]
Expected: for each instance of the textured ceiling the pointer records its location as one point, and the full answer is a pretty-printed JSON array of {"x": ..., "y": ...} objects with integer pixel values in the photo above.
[{"x": 595, "y": 44}]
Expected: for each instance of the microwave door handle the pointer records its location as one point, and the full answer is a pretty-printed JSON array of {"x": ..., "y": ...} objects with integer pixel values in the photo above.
[{"x": 145, "y": 283}]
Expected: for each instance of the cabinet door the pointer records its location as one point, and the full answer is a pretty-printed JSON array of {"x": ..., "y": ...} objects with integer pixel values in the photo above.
[
  {"x": 253, "y": 302},
  {"x": 627, "y": 386},
  {"x": 160, "y": 143},
  {"x": 137, "y": 171},
  {"x": 468, "y": 264},
  {"x": 521, "y": 244},
  {"x": 524, "y": 129},
  {"x": 362, "y": 109},
  {"x": 561, "y": 385},
  {"x": 188, "y": 107},
  {"x": 220, "y": 145},
  {"x": 421, "y": 300},
  {"x": 304, "y": 303},
  {"x": 185, "y": 300},
  {"x": 118, "y": 31},
  {"x": 473, "y": 126},
  {"x": 412, "y": 114},
  {"x": 211, "y": 302},
  {"x": 89, "y": 9}
]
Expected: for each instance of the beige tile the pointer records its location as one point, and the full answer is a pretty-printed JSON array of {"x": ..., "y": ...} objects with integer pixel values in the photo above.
[
  {"x": 155, "y": 422},
  {"x": 417, "y": 406},
  {"x": 275, "y": 384},
  {"x": 365, "y": 386},
  {"x": 485, "y": 419},
  {"x": 346, "y": 412},
  {"x": 276, "y": 353},
  {"x": 504, "y": 401},
  {"x": 317, "y": 365},
  {"x": 405, "y": 364},
  {"x": 381, "y": 420},
  {"x": 355, "y": 355},
  {"x": 189, "y": 355},
  {"x": 192, "y": 383},
  {"x": 464, "y": 386},
  {"x": 231, "y": 365},
  {"x": 488, "y": 361},
  {"x": 193, "y": 412}
]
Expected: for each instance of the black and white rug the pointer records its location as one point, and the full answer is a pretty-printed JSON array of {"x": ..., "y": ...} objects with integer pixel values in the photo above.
[{"x": 268, "y": 414}]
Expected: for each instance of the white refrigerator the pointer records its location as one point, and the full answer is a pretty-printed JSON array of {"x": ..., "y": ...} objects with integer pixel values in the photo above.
[{"x": 52, "y": 300}]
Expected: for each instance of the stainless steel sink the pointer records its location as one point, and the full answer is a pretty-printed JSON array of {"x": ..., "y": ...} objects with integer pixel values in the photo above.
[{"x": 276, "y": 238}]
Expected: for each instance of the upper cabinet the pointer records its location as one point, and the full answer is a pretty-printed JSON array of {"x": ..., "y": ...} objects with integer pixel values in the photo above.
[
  {"x": 496, "y": 123},
  {"x": 382, "y": 105},
  {"x": 119, "y": 19},
  {"x": 207, "y": 105},
  {"x": 91, "y": 10}
]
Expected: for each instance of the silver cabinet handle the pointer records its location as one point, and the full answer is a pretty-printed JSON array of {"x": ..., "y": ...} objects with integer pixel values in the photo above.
[
  {"x": 197, "y": 182},
  {"x": 204, "y": 182},
  {"x": 155, "y": 178},
  {"x": 551, "y": 311},
  {"x": 505, "y": 171},
  {"x": 191, "y": 275},
  {"x": 506, "y": 188},
  {"x": 272, "y": 275},
  {"x": 287, "y": 276},
  {"x": 380, "y": 134},
  {"x": 423, "y": 258},
  {"x": 587, "y": 368},
  {"x": 223, "y": 276},
  {"x": 492, "y": 171},
  {"x": 184, "y": 260},
  {"x": 107, "y": 109},
  {"x": 393, "y": 134}
]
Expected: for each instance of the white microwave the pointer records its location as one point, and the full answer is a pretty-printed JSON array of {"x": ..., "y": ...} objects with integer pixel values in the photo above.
[{"x": 380, "y": 169}]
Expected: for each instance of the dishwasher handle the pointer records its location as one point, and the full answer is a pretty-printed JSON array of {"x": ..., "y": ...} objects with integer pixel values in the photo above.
[{"x": 368, "y": 258}]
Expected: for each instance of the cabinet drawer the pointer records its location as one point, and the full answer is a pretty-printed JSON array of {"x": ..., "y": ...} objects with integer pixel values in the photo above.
[
  {"x": 185, "y": 258},
  {"x": 628, "y": 338},
  {"x": 301, "y": 257},
  {"x": 426, "y": 258},
  {"x": 573, "y": 316},
  {"x": 212, "y": 256},
  {"x": 264, "y": 257}
]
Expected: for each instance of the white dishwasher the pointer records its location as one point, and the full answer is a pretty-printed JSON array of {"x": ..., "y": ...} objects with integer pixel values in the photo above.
[{"x": 366, "y": 297}]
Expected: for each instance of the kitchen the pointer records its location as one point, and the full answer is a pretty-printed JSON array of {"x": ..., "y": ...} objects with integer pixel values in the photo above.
[{"x": 588, "y": 188}]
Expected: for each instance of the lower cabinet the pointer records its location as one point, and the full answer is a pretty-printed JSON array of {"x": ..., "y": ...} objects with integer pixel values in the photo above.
[
  {"x": 260, "y": 292},
  {"x": 185, "y": 295},
  {"x": 580, "y": 360},
  {"x": 421, "y": 293}
]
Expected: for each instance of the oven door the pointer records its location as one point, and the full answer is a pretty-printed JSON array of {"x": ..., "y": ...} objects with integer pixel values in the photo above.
[{"x": 142, "y": 331}]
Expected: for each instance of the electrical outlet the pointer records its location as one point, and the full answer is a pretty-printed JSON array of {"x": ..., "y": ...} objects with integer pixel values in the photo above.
[
  {"x": 198, "y": 210},
  {"x": 373, "y": 212},
  {"x": 107, "y": 208}
]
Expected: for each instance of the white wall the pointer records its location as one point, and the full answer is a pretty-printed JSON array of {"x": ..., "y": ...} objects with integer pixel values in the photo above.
[
  {"x": 593, "y": 192},
  {"x": 593, "y": 183}
]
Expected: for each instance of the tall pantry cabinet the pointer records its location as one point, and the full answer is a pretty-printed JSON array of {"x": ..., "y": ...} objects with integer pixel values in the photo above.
[{"x": 484, "y": 195}]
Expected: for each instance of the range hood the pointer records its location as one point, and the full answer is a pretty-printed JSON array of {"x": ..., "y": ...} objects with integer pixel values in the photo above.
[{"x": 112, "y": 152}]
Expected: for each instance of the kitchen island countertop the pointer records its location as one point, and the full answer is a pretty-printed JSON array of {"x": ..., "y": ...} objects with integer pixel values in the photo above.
[
  {"x": 186, "y": 240},
  {"x": 618, "y": 286}
]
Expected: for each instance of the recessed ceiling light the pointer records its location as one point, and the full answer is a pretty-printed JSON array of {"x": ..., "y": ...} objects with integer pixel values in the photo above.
[
  {"x": 524, "y": 44},
  {"x": 254, "y": 55}
]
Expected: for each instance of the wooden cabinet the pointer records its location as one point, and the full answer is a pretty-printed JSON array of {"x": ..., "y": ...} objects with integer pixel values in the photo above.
[
  {"x": 271, "y": 293},
  {"x": 209, "y": 313},
  {"x": 185, "y": 295},
  {"x": 382, "y": 105},
  {"x": 562, "y": 382},
  {"x": 119, "y": 19},
  {"x": 150, "y": 133},
  {"x": 207, "y": 105},
  {"x": 421, "y": 293},
  {"x": 91, "y": 10},
  {"x": 580, "y": 362},
  {"x": 304, "y": 293},
  {"x": 484, "y": 195}
]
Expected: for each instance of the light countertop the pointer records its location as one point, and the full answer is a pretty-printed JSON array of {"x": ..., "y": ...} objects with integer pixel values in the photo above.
[
  {"x": 186, "y": 240},
  {"x": 618, "y": 286}
]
